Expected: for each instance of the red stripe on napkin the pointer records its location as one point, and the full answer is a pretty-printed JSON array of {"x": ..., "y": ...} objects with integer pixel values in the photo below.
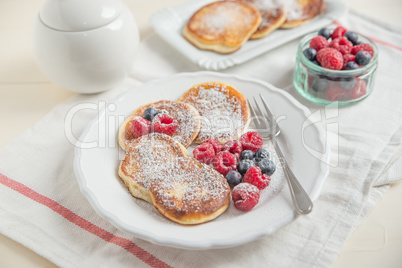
[{"x": 126, "y": 244}]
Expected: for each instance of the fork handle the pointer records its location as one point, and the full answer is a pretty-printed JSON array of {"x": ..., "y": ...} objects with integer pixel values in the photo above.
[{"x": 300, "y": 198}]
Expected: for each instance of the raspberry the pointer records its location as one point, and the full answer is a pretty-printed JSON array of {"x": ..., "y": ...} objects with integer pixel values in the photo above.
[
  {"x": 347, "y": 58},
  {"x": 224, "y": 162},
  {"x": 204, "y": 153},
  {"x": 233, "y": 147},
  {"x": 319, "y": 42},
  {"x": 245, "y": 196},
  {"x": 256, "y": 178},
  {"x": 163, "y": 123},
  {"x": 330, "y": 58},
  {"x": 338, "y": 32},
  {"x": 140, "y": 126},
  {"x": 251, "y": 141},
  {"x": 359, "y": 90},
  {"x": 216, "y": 144},
  {"x": 365, "y": 47},
  {"x": 342, "y": 44},
  {"x": 335, "y": 92}
]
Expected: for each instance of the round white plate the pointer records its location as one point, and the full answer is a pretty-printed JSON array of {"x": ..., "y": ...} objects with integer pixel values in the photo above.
[{"x": 96, "y": 168}]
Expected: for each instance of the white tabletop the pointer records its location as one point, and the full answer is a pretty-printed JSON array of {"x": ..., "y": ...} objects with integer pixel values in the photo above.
[{"x": 26, "y": 96}]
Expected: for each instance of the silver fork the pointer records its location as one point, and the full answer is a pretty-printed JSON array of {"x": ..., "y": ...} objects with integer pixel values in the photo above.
[{"x": 300, "y": 198}]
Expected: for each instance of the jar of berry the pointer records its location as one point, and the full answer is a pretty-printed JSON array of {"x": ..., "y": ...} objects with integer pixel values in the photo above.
[{"x": 335, "y": 67}]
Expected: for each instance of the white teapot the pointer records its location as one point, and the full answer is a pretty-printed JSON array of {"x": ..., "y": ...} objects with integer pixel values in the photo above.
[{"x": 85, "y": 46}]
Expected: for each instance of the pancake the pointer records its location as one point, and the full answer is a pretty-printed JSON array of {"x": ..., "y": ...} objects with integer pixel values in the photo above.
[
  {"x": 222, "y": 26},
  {"x": 223, "y": 109},
  {"x": 273, "y": 15},
  {"x": 298, "y": 12},
  {"x": 145, "y": 156},
  {"x": 185, "y": 114},
  {"x": 191, "y": 193}
]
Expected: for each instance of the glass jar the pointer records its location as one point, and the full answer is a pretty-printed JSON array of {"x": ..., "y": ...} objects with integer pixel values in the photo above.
[{"x": 333, "y": 87}]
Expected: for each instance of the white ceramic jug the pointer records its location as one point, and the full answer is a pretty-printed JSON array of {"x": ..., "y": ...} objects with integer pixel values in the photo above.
[{"x": 85, "y": 46}]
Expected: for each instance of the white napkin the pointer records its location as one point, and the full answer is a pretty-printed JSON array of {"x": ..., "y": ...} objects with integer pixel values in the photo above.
[{"x": 42, "y": 207}]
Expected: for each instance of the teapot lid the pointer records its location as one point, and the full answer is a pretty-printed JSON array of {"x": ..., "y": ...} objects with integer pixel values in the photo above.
[{"x": 79, "y": 15}]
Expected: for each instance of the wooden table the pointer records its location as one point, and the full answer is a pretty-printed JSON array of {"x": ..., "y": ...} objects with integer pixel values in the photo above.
[{"x": 26, "y": 96}]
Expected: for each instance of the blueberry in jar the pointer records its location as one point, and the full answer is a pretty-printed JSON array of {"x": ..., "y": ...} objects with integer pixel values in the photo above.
[
  {"x": 319, "y": 84},
  {"x": 325, "y": 32},
  {"x": 310, "y": 53},
  {"x": 362, "y": 57},
  {"x": 233, "y": 178},
  {"x": 244, "y": 165},
  {"x": 347, "y": 83},
  {"x": 351, "y": 65},
  {"x": 149, "y": 113},
  {"x": 267, "y": 166},
  {"x": 352, "y": 37},
  {"x": 247, "y": 154}
]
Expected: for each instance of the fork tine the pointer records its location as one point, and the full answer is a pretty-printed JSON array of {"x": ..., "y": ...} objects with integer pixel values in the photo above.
[
  {"x": 253, "y": 114},
  {"x": 270, "y": 115}
]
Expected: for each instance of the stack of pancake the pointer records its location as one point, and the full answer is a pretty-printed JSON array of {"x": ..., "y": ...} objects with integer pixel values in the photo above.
[
  {"x": 224, "y": 26},
  {"x": 158, "y": 169}
]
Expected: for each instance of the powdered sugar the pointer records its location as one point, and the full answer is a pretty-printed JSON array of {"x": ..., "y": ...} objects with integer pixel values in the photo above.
[{"x": 222, "y": 115}]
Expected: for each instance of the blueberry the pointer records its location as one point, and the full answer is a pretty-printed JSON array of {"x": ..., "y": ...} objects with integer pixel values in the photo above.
[
  {"x": 310, "y": 53},
  {"x": 261, "y": 154},
  {"x": 352, "y": 37},
  {"x": 358, "y": 43},
  {"x": 325, "y": 32},
  {"x": 150, "y": 113},
  {"x": 247, "y": 154},
  {"x": 362, "y": 57},
  {"x": 233, "y": 177},
  {"x": 319, "y": 85},
  {"x": 347, "y": 83},
  {"x": 267, "y": 166},
  {"x": 244, "y": 165},
  {"x": 351, "y": 65},
  {"x": 316, "y": 63}
]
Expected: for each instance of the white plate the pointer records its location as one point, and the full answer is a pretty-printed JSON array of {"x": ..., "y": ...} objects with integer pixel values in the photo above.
[
  {"x": 96, "y": 168},
  {"x": 168, "y": 23}
]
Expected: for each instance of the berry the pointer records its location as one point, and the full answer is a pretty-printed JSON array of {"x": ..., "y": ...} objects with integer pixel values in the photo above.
[
  {"x": 216, "y": 144},
  {"x": 233, "y": 147},
  {"x": 352, "y": 37},
  {"x": 330, "y": 58},
  {"x": 316, "y": 62},
  {"x": 140, "y": 126},
  {"x": 149, "y": 113},
  {"x": 251, "y": 141},
  {"x": 338, "y": 32},
  {"x": 325, "y": 32},
  {"x": 244, "y": 165},
  {"x": 351, "y": 66},
  {"x": 319, "y": 84},
  {"x": 342, "y": 44},
  {"x": 359, "y": 90},
  {"x": 204, "y": 153},
  {"x": 335, "y": 92},
  {"x": 233, "y": 177},
  {"x": 365, "y": 47},
  {"x": 261, "y": 154},
  {"x": 245, "y": 196},
  {"x": 267, "y": 166},
  {"x": 347, "y": 58},
  {"x": 224, "y": 162},
  {"x": 256, "y": 178},
  {"x": 358, "y": 43},
  {"x": 319, "y": 42},
  {"x": 165, "y": 124},
  {"x": 247, "y": 154},
  {"x": 347, "y": 83},
  {"x": 362, "y": 58},
  {"x": 310, "y": 53}
]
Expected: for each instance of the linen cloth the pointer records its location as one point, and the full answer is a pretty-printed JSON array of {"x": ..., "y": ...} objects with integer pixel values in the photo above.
[{"x": 42, "y": 207}]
